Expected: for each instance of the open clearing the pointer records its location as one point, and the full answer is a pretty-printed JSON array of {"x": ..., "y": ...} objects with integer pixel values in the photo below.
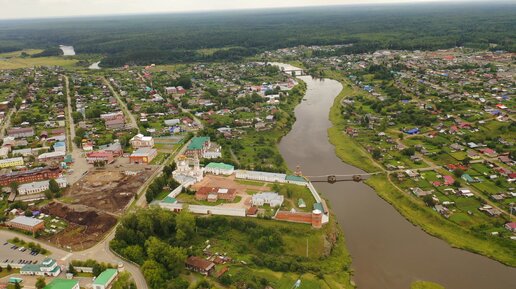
[
  {"x": 109, "y": 190},
  {"x": 95, "y": 202},
  {"x": 86, "y": 225}
]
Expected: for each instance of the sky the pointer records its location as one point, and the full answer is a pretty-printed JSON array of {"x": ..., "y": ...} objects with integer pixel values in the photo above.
[{"x": 15, "y": 9}]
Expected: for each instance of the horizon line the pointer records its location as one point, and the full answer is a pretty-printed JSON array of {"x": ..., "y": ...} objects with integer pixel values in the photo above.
[{"x": 214, "y": 11}]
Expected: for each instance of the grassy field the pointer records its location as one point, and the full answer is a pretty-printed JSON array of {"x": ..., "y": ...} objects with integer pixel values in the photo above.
[
  {"x": 13, "y": 60},
  {"x": 425, "y": 285},
  {"x": 411, "y": 208}
]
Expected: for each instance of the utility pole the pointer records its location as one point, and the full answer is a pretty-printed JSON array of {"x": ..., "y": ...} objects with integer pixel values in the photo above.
[{"x": 306, "y": 247}]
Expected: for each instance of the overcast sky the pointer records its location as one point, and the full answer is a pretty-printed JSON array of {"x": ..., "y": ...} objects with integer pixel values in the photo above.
[{"x": 10, "y": 9}]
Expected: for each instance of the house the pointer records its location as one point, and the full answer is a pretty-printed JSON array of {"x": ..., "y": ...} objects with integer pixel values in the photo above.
[
  {"x": 143, "y": 155},
  {"x": 468, "y": 178},
  {"x": 506, "y": 160},
  {"x": 12, "y": 162},
  {"x": 200, "y": 265},
  {"x": 59, "y": 283},
  {"x": 105, "y": 279},
  {"x": 465, "y": 192},
  {"x": 442, "y": 210},
  {"x": 172, "y": 122},
  {"x": 40, "y": 186},
  {"x": 52, "y": 157},
  {"x": 19, "y": 132},
  {"x": 420, "y": 192},
  {"x": 198, "y": 145},
  {"x": 511, "y": 226},
  {"x": 141, "y": 141},
  {"x": 270, "y": 198},
  {"x": 48, "y": 267},
  {"x": 112, "y": 116},
  {"x": 100, "y": 156},
  {"x": 490, "y": 211},
  {"x": 412, "y": 131},
  {"x": 26, "y": 224},
  {"x": 170, "y": 90},
  {"x": 212, "y": 194},
  {"x": 219, "y": 169},
  {"x": 59, "y": 146},
  {"x": 115, "y": 123},
  {"x": 448, "y": 180},
  {"x": 473, "y": 155},
  {"x": 87, "y": 146},
  {"x": 489, "y": 152},
  {"x": 457, "y": 147},
  {"x": 114, "y": 148}
]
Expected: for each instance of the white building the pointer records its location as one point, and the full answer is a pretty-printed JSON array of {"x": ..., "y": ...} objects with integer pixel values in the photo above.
[
  {"x": 219, "y": 169},
  {"x": 270, "y": 198},
  {"x": 186, "y": 174},
  {"x": 141, "y": 141},
  {"x": 38, "y": 187},
  {"x": 48, "y": 267},
  {"x": 260, "y": 176}
]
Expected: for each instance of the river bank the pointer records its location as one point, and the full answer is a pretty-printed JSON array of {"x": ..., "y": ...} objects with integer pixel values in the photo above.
[{"x": 414, "y": 210}]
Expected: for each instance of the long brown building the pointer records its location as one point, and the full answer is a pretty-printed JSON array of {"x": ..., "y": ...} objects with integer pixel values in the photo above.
[{"x": 33, "y": 175}]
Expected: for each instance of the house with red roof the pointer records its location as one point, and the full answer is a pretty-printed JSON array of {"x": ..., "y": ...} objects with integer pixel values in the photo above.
[
  {"x": 453, "y": 129},
  {"x": 448, "y": 180},
  {"x": 511, "y": 226},
  {"x": 489, "y": 152}
]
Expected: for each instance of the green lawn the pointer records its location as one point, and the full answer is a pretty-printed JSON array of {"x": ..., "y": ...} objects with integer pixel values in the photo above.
[{"x": 425, "y": 285}]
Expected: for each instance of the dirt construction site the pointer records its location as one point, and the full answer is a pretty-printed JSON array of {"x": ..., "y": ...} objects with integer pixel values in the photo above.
[
  {"x": 243, "y": 189},
  {"x": 92, "y": 205}
]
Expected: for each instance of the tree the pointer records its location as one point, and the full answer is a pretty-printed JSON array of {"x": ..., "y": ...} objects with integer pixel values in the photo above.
[
  {"x": 97, "y": 269},
  {"x": 40, "y": 283},
  {"x": 429, "y": 200},
  {"x": 14, "y": 187},
  {"x": 53, "y": 186},
  {"x": 17, "y": 285},
  {"x": 9, "y": 268},
  {"x": 458, "y": 172},
  {"x": 177, "y": 283},
  {"x": 377, "y": 154},
  {"x": 185, "y": 225},
  {"x": 71, "y": 269},
  {"x": 155, "y": 274}
]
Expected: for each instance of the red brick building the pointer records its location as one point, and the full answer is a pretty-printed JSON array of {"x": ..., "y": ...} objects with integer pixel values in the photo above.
[
  {"x": 213, "y": 194},
  {"x": 102, "y": 156},
  {"x": 34, "y": 175},
  {"x": 26, "y": 224}
]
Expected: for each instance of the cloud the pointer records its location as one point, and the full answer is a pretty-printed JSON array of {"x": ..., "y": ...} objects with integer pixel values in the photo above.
[{"x": 63, "y": 8}]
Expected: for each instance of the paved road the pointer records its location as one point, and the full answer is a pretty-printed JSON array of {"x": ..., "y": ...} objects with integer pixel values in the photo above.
[
  {"x": 6, "y": 123},
  {"x": 126, "y": 111},
  {"x": 80, "y": 165}
]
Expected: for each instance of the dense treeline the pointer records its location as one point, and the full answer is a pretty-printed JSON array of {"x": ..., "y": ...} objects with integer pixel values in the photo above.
[
  {"x": 233, "y": 35},
  {"x": 160, "y": 241}
]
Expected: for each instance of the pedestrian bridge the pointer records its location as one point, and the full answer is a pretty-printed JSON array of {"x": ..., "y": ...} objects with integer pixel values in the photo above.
[{"x": 340, "y": 178}]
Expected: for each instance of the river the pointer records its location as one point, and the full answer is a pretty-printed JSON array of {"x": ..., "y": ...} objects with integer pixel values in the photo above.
[
  {"x": 95, "y": 66},
  {"x": 67, "y": 50},
  {"x": 388, "y": 251}
]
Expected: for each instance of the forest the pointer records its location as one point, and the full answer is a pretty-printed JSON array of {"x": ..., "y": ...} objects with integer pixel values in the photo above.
[
  {"x": 226, "y": 36},
  {"x": 160, "y": 241}
]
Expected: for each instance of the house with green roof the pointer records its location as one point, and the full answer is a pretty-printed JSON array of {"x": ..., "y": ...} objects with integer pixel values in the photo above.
[
  {"x": 468, "y": 178},
  {"x": 198, "y": 143},
  {"x": 295, "y": 180},
  {"x": 48, "y": 267},
  {"x": 219, "y": 169},
  {"x": 62, "y": 284},
  {"x": 105, "y": 279}
]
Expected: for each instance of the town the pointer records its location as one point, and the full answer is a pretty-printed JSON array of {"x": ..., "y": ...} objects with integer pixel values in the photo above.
[
  {"x": 298, "y": 148},
  {"x": 80, "y": 147}
]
